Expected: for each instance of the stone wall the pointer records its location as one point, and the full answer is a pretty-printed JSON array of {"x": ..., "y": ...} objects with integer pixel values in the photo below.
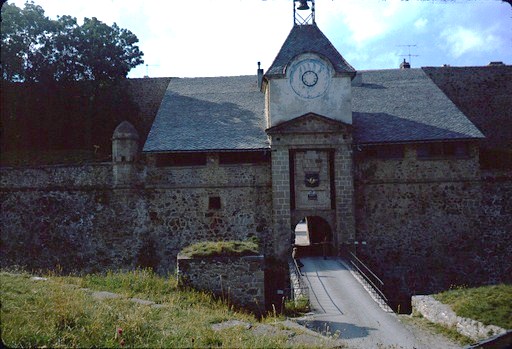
[
  {"x": 72, "y": 217},
  {"x": 237, "y": 280},
  {"x": 317, "y": 135},
  {"x": 439, "y": 313},
  {"x": 97, "y": 175},
  {"x": 429, "y": 224}
]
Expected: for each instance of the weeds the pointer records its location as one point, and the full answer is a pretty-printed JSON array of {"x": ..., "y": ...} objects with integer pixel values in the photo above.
[
  {"x": 491, "y": 305},
  {"x": 59, "y": 312},
  {"x": 230, "y": 248}
]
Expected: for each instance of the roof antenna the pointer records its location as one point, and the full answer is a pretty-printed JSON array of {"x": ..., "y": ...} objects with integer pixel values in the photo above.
[{"x": 409, "y": 54}]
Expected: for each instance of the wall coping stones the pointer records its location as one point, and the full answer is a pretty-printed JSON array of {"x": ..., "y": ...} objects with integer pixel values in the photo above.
[{"x": 440, "y": 313}]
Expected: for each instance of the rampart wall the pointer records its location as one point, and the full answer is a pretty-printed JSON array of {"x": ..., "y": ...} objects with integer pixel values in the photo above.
[
  {"x": 430, "y": 224},
  {"x": 73, "y": 217},
  {"x": 426, "y": 223}
]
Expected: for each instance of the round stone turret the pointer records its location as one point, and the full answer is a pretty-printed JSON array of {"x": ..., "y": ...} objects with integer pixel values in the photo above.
[
  {"x": 125, "y": 143},
  {"x": 125, "y": 151}
]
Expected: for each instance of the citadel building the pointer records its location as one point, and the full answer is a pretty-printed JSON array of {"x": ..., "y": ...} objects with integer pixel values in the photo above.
[{"x": 384, "y": 163}]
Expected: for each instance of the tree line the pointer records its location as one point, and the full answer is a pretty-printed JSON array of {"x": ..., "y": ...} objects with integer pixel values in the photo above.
[{"x": 36, "y": 48}]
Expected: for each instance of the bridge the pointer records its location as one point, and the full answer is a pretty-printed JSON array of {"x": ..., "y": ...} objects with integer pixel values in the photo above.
[{"x": 343, "y": 307}]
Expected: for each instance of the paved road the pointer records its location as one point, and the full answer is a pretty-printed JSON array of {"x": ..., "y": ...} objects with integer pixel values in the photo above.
[
  {"x": 341, "y": 305},
  {"x": 301, "y": 235}
]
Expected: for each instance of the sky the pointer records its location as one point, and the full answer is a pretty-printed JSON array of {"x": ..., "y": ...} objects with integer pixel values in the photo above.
[{"x": 228, "y": 37}]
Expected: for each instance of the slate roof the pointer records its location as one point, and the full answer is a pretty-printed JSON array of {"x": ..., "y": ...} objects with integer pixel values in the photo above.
[
  {"x": 303, "y": 39},
  {"x": 220, "y": 113},
  {"x": 483, "y": 95},
  {"x": 405, "y": 106},
  {"x": 227, "y": 113}
]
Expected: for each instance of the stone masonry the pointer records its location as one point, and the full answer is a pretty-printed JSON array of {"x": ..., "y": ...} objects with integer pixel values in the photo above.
[{"x": 237, "y": 280}]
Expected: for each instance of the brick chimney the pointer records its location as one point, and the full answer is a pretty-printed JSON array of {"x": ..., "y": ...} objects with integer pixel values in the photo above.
[
  {"x": 260, "y": 75},
  {"x": 405, "y": 65}
]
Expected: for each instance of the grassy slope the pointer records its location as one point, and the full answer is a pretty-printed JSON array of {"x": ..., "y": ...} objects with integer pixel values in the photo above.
[
  {"x": 491, "y": 305},
  {"x": 58, "y": 313}
]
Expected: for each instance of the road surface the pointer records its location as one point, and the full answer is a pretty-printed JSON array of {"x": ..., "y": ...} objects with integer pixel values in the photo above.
[
  {"x": 301, "y": 235},
  {"x": 343, "y": 307}
]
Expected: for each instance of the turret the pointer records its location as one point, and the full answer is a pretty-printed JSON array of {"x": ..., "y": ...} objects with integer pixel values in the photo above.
[{"x": 125, "y": 151}]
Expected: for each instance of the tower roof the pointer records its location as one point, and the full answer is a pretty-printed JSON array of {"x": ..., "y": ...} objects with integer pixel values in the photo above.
[
  {"x": 125, "y": 130},
  {"x": 304, "y": 39}
]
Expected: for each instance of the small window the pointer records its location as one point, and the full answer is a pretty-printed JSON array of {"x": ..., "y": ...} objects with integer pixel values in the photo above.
[
  {"x": 214, "y": 203},
  {"x": 180, "y": 159}
]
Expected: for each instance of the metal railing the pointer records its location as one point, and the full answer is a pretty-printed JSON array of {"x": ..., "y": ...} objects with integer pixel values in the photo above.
[{"x": 369, "y": 276}]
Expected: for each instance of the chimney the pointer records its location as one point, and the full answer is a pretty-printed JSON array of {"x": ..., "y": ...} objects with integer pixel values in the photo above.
[
  {"x": 260, "y": 75},
  {"x": 405, "y": 65}
]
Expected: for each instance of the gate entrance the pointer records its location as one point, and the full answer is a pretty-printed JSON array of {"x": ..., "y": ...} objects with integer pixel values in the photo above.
[{"x": 313, "y": 237}]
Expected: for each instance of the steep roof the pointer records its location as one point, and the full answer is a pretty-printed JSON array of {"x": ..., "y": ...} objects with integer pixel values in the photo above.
[
  {"x": 303, "y": 39},
  {"x": 227, "y": 113},
  {"x": 220, "y": 113},
  {"x": 404, "y": 106},
  {"x": 483, "y": 95}
]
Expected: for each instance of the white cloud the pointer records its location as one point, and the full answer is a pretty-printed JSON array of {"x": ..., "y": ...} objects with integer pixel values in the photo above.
[
  {"x": 228, "y": 37},
  {"x": 460, "y": 41},
  {"x": 420, "y": 23}
]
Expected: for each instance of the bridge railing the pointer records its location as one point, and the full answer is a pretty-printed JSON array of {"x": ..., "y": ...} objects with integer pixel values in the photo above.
[
  {"x": 373, "y": 280},
  {"x": 299, "y": 288}
]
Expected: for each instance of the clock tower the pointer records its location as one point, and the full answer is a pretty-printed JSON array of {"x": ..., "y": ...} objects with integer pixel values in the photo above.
[{"x": 308, "y": 114}]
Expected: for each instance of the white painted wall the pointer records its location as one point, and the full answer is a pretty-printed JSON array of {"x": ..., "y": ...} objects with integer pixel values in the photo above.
[{"x": 283, "y": 104}]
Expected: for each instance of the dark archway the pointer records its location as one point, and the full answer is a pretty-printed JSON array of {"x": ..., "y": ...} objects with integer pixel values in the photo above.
[{"x": 313, "y": 237}]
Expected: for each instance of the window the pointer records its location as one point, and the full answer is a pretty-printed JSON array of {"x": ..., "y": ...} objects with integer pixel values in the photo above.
[
  {"x": 246, "y": 157},
  {"x": 214, "y": 203},
  {"x": 387, "y": 151},
  {"x": 181, "y": 159},
  {"x": 442, "y": 150}
]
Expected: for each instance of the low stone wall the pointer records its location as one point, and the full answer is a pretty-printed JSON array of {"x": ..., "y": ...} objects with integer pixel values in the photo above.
[
  {"x": 238, "y": 280},
  {"x": 437, "y": 312}
]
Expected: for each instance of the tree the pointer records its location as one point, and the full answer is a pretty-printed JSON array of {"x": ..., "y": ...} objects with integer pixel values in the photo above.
[{"x": 37, "y": 48}]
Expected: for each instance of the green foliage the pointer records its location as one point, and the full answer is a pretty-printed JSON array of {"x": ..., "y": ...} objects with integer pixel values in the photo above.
[
  {"x": 492, "y": 305},
  {"x": 63, "y": 122},
  {"x": 297, "y": 307},
  {"x": 37, "y": 48},
  {"x": 221, "y": 248},
  {"x": 58, "y": 312}
]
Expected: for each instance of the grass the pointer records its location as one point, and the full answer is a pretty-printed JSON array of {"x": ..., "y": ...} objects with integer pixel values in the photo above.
[
  {"x": 232, "y": 248},
  {"x": 491, "y": 305},
  {"x": 298, "y": 307},
  {"x": 59, "y": 312}
]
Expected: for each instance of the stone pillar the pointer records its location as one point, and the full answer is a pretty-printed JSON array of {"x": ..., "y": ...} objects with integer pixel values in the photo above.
[
  {"x": 281, "y": 201},
  {"x": 344, "y": 185}
]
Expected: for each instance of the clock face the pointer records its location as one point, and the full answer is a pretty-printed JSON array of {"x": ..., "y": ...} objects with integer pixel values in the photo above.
[{"x": 309, "y": 78}]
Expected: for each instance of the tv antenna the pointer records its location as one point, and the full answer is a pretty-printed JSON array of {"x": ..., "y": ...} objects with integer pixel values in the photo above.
[
  {"x": 409, "y": 55},
  {"x": 147, "y": 69}
]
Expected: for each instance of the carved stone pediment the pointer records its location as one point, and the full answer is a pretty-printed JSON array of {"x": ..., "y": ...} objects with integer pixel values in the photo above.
[{"x": 309, "y": 123}]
